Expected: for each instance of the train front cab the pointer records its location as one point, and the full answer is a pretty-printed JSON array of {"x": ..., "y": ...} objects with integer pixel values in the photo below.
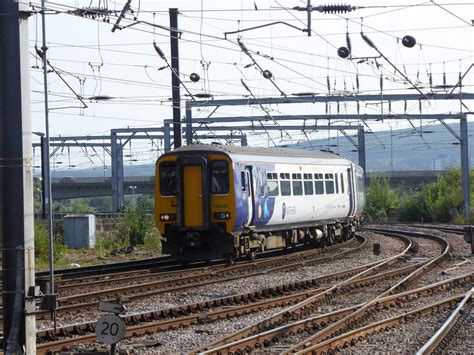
[{"x": 195, "y": 206}]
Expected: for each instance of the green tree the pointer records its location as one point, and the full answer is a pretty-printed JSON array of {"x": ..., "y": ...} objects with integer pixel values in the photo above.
[{"x": 382, "y": 201}]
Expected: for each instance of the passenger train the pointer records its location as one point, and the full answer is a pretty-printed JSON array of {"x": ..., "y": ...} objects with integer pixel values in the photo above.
[{"x": 214, "y": 201}]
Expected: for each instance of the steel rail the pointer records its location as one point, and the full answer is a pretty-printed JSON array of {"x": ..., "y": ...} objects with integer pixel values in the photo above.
[
  {"x": 230, "y": 342},
  {"x": 349, "y": 338},
  {"x": 263, "y": 338},
  {"x": 319, "y": 321},
  {"x": 205, "y": 279},
  {"x": 443, "y": 331},
  {"x": 338, "y": 326},
  {"x": 175, "y": 323},
  {"x": 249, "y": 302},
  {"x": 224, "y": 345},
  {"x": 107, "y": 268}
]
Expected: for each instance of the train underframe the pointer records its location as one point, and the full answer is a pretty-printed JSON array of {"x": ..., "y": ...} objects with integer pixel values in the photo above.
[{"x": 216, "y": 243}]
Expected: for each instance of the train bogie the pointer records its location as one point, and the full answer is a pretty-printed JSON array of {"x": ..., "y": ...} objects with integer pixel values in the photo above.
[{"x": 215, "y": 201}]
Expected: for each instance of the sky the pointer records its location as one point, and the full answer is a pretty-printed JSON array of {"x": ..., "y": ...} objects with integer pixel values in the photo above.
[{"x": 124, "y": 65}]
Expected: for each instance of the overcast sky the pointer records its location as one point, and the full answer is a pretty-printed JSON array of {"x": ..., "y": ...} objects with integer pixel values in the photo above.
[{"x": 124, "y": 65}]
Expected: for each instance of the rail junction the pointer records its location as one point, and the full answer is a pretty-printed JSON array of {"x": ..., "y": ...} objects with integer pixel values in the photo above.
[{"x": 307, "y": 301}]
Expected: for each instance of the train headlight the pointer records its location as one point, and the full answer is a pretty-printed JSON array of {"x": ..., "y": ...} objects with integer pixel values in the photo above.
[
  {"x": 222, "y": 215},
  {"x": 168, "y": 217}
]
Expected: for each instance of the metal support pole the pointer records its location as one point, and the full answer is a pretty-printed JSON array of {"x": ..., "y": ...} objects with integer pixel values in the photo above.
[
  {"x": 43, "y": 177},
  {"x": 113, "y": 149},
  {"x": 465, "y": 167},
  {"x": 47, "y": 170},
  {"x": 173, "y": 13},
  {"x": 16, "y": 181},
  {"x": 167, "y": 137},
  {"x": 361, "y": 150},
  {"x": 309, "y": 9},
  {"x": 189, "y": 125},
  {"x": 120, "y": 181},
  {"x": 116, "y": 149}
]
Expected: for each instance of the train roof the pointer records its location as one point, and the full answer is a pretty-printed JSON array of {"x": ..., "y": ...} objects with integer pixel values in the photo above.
[{"x": 246, "y": 150}]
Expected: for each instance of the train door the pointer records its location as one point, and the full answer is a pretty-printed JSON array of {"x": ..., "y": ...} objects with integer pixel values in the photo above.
[
  {"x": 192, "y": 183},
  {"x": 351, "y": 190},
  {"x": 250, "y": 194},
  {"x": 193, "y": 192}
]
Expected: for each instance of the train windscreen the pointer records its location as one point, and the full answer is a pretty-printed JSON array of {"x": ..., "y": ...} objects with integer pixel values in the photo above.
[
  {"x": 219, "y": 177},
  {"x": 168, "y": 178}
]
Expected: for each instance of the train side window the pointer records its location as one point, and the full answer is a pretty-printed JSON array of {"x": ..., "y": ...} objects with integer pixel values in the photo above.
[
  {"x": 329, "y": 183},
  {"x": 285, "y": 185},
  {"x": 342, "y": 182},
  {"x": 308, "y": 184},
  {"x": 242, "y": 181},
  {"x": 319, "y": 184},
  {"x": 336, "y": 179},
  {"x": 168, "y": 178},
  {"x": 297, "y": 185},
  {"x": 219, "y": 177},
  {"x": 272, "y": 183}
]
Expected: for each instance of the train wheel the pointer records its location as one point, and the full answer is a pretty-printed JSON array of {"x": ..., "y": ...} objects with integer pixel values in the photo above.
[
  {"x": 330, "y": 240},
  {"x": 252, "y": 254},
  {"x": 229, "y": 258}
]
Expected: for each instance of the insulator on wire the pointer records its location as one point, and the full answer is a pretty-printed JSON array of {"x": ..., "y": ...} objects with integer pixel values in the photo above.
[
  {"x": 334, "y": 9},
  {"x": 159, "y": 51},
  {"x": 348, "y": 42},
  {"x": 367, "y": 40}
]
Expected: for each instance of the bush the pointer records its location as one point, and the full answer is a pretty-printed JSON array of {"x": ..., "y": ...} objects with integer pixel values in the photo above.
[
  {"x": 152, "y": 241},
  {"x": 436, "y": 202},
  {"x": 42, "y": 245},
  {"x": 382, "y": 201},
  {"x": 138, "y": 221}
]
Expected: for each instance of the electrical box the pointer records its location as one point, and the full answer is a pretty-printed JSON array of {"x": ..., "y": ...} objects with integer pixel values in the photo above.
[{"x": 79, "y": 231}]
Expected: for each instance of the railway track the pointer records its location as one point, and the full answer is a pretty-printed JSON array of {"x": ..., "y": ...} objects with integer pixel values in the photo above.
[
  {"x": 178, "y": 317},
  {"x": 144, "y": 283},
  {"x": 247, "y": 338},
  {"x": 103, "y": 269},
  {"x": 440, "y": 338},
  {"x": 249, "y": 302},
  {"x": 200, "y": 277},
  {"x": 382, "y": 283}
]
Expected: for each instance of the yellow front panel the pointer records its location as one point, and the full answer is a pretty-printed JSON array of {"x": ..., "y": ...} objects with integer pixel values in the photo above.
[{"x": 192, "y": 196}]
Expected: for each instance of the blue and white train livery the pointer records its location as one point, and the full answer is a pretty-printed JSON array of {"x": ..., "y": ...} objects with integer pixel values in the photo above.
[{"x": 213, "y": 200}]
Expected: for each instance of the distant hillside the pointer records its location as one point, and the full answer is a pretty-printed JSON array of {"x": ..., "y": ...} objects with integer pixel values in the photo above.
[{"x": 432, "y": 149}]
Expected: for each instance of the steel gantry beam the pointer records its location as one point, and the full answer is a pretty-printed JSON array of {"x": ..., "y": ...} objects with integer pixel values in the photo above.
[
  {"x": 114, "y": 144},
  {"x": 316, "y": 98},
  {"x": 360, "y": 145},
  {"x": 120, "y": 137}
]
